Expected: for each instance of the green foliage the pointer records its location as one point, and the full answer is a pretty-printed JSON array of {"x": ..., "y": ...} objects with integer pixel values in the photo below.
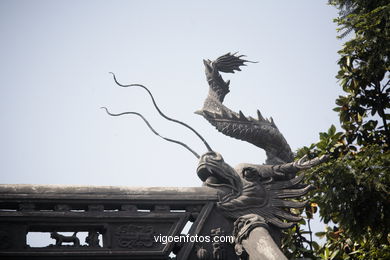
[
  {"x": 353, "y": 187},
  {"x": 364, "y": 71},
  {"x": 339, "y": 246},
  {"x": 295, "y": 244},
  {"x": 353, "y": 192}
]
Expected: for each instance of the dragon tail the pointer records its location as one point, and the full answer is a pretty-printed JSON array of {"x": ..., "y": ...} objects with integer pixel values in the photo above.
[
  {"x": 261, "y": 132},
  {"x": 230, "y": 62}
]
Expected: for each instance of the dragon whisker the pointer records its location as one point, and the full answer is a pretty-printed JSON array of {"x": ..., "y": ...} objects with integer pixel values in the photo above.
[
  {"x": 160, "y": 112},
  {"x": 152, "y": 129}
]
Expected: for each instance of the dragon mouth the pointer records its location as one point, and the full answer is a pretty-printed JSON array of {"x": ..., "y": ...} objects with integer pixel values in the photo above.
[{"x": 214, "y": 177}]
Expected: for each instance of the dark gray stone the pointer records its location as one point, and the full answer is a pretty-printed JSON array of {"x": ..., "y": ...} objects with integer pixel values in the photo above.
[{"x": 256, "y": 190}]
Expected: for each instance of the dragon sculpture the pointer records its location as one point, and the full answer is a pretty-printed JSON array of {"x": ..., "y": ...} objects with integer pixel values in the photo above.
[
  {"x": 258, "y": 189},
  {"x": 258, "y": 193}
]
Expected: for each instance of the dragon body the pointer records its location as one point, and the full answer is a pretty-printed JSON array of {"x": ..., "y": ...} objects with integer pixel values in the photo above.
[
  {"x": 262, "y": 189},
  {"x": 265, "y": 190},
  {"x": 260, "y": 132}
]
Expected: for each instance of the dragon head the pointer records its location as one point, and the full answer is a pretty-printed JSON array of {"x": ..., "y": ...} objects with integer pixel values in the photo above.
[
  {"x": 254, "y": 189},
  {"x": 216, "y": 173},
  {"x": 238, "y": 187}
]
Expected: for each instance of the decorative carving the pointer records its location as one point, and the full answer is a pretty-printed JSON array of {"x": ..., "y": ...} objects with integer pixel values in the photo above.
[
  {"x": 260, "y": 132},
  {"x": 250, "y": 188},
  {"x": 218, "y": 248},
  {"x": 243, "y": 226},
  {"x": 132, "y": 236},
  {"x": 65, "y": 239},
  {"x": 244, "y": 191},
  {"x": 92, "y": 239},
  {"x": 257, "y": 189}
]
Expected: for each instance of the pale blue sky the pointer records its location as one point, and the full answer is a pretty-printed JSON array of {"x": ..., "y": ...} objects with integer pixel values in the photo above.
[
  {"x": 54, "y": 62},
  {"x": 55, "y": 59}
]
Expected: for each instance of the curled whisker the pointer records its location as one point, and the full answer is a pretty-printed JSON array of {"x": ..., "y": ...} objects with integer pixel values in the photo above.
[
  {"x": 160, "y": 112},
  {"x": 152, "y": 129}
]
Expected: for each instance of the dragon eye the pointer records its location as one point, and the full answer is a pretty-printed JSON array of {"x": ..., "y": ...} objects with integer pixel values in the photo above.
[
  {"x": 213, "y": 156},
  {"x": 249, "y": 173}
]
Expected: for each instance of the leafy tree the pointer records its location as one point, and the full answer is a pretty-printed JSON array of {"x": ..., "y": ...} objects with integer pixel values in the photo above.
[
  {"x": 364, "y": 71},
  {"x": 353, "y": 187}
]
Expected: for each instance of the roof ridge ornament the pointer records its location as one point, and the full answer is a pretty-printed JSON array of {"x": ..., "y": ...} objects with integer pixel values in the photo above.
[{"x": 254, "y": 191}]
